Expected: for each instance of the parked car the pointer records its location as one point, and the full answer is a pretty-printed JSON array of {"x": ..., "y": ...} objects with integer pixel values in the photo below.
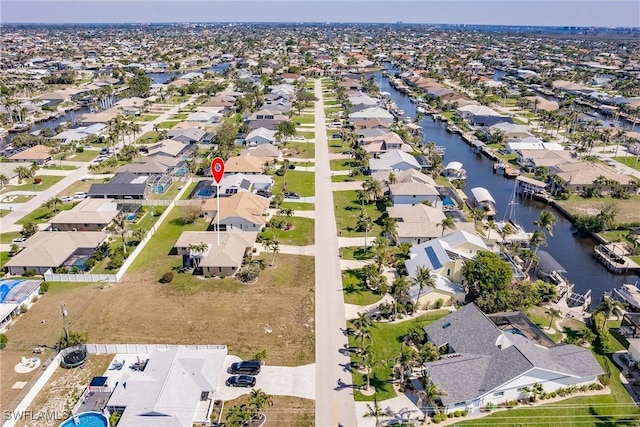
[
  {"x": 66, "y": 198},
  {"x": 241, "y": 381},
  {"x": 347, "y": 152},
  {"x": 291, "y": 166},
  {"x": 299, "y": 138},
  {"x": 19, "y": 240},
  {"x": 80, "y": 195},
  {"x": 264, "y": 193},
  {"x": 291, "y": 195},
  {"x": 336, "y": 135},
  {"x": 247, "y": 367}
]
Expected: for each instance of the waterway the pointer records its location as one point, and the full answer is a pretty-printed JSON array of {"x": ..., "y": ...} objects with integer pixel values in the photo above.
[
  {"x": 165, "y": 76},
  {"x": 573, "y": 253}
]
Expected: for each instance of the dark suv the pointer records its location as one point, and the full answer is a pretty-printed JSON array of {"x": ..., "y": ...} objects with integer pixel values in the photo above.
[{"x": 247, "y": 367}]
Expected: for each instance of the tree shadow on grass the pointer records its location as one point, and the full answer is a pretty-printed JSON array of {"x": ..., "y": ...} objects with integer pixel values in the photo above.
[
  {"x": 180, "y": 222},
  {"x": 572, "y": 334},
  {"x": 601, "y": 420}
]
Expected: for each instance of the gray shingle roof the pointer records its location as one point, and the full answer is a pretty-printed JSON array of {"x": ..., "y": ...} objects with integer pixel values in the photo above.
[{"x": 488, "y": 357}]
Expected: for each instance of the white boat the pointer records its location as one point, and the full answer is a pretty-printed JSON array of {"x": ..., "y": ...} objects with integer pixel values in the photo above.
[{"x": 629, "y": 294}]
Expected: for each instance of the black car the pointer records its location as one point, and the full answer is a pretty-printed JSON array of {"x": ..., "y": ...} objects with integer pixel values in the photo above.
[
  {"x": 336, "y": 135},
  {"x": 247, "y": 367},
  {"x": 291, "y": 166},
  {"x": 264, "y": 193},
  {"x": 290, "y": 195},
  {"x": 241, "y": 381}
]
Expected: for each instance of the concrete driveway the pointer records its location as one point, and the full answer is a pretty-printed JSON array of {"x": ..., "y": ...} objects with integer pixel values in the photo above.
[{"x": 297, "y": 381}]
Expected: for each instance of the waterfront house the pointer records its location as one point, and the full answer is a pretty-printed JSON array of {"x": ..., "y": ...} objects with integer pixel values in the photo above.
[
  {"x": 578, "y": 176},
  {"x": 488, "y": 360},
  {"x": 394, "y": 160},
  {"x": 40, "y": 154},
  {"x": 417, "y": 224}
]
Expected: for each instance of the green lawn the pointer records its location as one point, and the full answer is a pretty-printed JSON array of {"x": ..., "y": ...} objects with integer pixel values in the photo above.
[
  {"x": 167, "y": 124},
  {"x": 179, "y": 116},
  {"x": 85, "y": 156},
  {"x": 347, "y": 211},
  {"x": 299, "y": 182},
  {"x": 17, "y": 199},
  {"x": 60, "y": 167},
  {"x": 332, "y": 109},
  {"x": 298, "y": 206},
  {"x": 386, "y": 346},
  {"x": 355, "y": 290},
  {"x": 9, "y": 236},
  {"x": 303, "y": 119},
  {"x": 337, "y": 145},
  {"x": 4, "y": 212},
  {"x": 171, "y": 193},
  {"x": 156, "y": 254},
  {"x": 341, "y": 164},
  {"x": 187, "y": 192},
  {"x": 42, "y": 214},
  {"x": 304, "y": 150},
  {"x": 538, "y": 315},
  {"x": 347, "y": 178},
  {"x": 631, "y": 161},
  {"x": 306, "y": 135},
  {"x": 148, "y": 138},
  {"x": 356, "y": 252},
  {"x": 4, "y": 257},
  {"x": 148, "y": 117},
  {"x": 47, "y": 181},
  {"x": 301, "y": 234}
]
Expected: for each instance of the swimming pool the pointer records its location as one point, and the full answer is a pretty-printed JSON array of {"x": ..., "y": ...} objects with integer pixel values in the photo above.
[
  {"x": 131, "y": 217},
  {"x": 206, "y": 192},
  {"x": 87, "y": 419},
  {"x": 447, "y": 201},
  {"x": 6, "y": 286}
]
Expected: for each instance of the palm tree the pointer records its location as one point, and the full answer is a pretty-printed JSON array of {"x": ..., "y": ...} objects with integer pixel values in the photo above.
[
  {"x": 120, "y": 226},
  {"x": 447, "y": 223},
  {"x": 400, "y": 291},
  {"x": 382, "y": 251},
  {"x": 3, "y": 180},
  {"x": 373, "y": 189},
  {"x": 477, "y": 214},
  {"x": 390, "y": 229},
  {"x": 364, "y": 223},
  {"x": 553, "y": 314},
  {"x": 546, "y": 222},
  {"x": 429, "y": 395},
  {"x": 376, "y": 412},
  {"x": 610, "y": 307},
  {"x": 52, "y": 204},
  {"x": 361, "y": 323},
  {"x": 423, "y": 279},
  {"x": 238, "y": 416},
  {"x": 258, "y": 401},
  {"x": 405, "y": 360},
  {"x": 196, "y": 252},
  {"x": 537, "y": 239},
  {"x": 274, "y": 246}
]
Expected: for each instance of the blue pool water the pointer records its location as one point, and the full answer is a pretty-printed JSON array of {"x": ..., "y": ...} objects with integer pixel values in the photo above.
[
  {"x": 446, "y": 201},
  {"x": 206, "y": 192},
  {"x": 131, "y": 217},
  {"x": 87, "y": 419},
  {"x": 6, "y": 286}
]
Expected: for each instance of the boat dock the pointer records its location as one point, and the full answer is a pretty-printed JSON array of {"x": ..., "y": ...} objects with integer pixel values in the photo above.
[{"x": 615, "y": 257}]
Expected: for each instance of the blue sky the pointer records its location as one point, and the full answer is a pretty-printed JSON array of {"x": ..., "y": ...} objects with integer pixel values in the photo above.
[{"x": 507, "y": 12}]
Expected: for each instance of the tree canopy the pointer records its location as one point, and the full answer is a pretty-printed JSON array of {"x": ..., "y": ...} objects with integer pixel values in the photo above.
[{"x": 487, "y": 278}]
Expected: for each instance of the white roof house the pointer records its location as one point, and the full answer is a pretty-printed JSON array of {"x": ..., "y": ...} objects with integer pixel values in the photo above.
[
  {"x": 394, "y": 160},
  {"x": 478, "y": 110},
  {"x": 168, "y": 392},
  {"x": 372, "y": 113},
  {"x": 261, "y": 136}
]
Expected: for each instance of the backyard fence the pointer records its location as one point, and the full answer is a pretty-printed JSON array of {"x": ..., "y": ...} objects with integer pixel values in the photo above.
[
  {"x": 50, "y": 276},
  {"x": 144, "y": 348}
]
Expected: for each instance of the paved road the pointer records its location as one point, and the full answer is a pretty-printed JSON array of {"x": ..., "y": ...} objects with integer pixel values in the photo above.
[{"x": 334, "y": 405}]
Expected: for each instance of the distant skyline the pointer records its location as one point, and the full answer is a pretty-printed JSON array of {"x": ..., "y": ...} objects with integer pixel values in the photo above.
[{"x": 616, "y": 13}]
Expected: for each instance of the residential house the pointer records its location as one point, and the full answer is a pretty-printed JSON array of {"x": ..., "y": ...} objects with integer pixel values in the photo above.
[
  {"x": 266, "y": 119},
  {"x": 40, "y": 154},
  {"x": 241, "y": 211},
  {"x": 444, "y": 292},
  {"x": 47, "y": 250},
  {"x": 383, "y": 143},
  {"x": 204, "y": 117},
  {"x": 412, "y": 193},
  {"x": 16, "y": 293},
  {"x": 533, "y": 159},
  {"x": 394, "y": 160},
  {"x": 260, "y": 136},
  {"x": 511, "y": 131},
  {"x": 88, "y": 215},
  {"x": 167, "y": 147},
  {"x": 232, "y": 184},
  {"x": 531, "y": 143},
  {"x": 191, "y": 135},
  {"x": 481, "y": 116},
  {"x": 124, "y": 185},
  {"x": 157, "y": 164},
  {"x": 80, "y": 134},
  {"x": 218, "y": 259},
  {"x": 445, "y": 255},
  {"x": 174, "y": 389},
  {"x": 265, "y": 151},
  {"x": 416, "y": 224},
  {"x": 249, "y": 165},
  {"x": 491, "y": 360},
  {"x": 378, "y": 113},
  {"x": 578, "y": 176}
]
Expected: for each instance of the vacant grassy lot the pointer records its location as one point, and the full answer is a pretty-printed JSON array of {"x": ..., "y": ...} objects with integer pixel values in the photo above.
[
  {"x": 304, "y": 150},
  {"x": 303, "y": 119},
  {"x": 385, "y": 345},
  {"x": 148, "y": 138},
  {"x": 627, "y": 209},
  {"x": 168, "y": 124},
  {"x": 139, "y": 309},
  {"x": 341, "y": 164},
  {"x": 631, "y": 161},
  {"x": 148, "y": 117},
  {"x": 355, "y": 291},
  {"x": 347, "y": 178},
  {"x": 347, "y": 210},
  {"x": 28, "y": 185},
  {"x": 79, "y": 186},
  {"x": 300, "y": 182},
  {"x": 337, "y": 145},
  {"x": 301, "y": 234},
  {"x": 85, "y": 156}
]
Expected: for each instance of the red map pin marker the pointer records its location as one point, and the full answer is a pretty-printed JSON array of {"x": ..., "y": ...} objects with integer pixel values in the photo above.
[{"x": 217, "y": 169}]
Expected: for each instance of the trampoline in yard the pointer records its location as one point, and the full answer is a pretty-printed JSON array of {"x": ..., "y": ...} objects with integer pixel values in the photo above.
[{"x": 74, "y": 359}]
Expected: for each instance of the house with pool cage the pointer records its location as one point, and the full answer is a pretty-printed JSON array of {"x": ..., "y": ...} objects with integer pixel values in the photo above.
[{"x": 48, "y": 250}]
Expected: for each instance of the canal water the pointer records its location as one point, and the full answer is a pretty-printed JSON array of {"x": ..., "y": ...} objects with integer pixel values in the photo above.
[
  {"x": 573, "y": 253},
  {"x": 165, "y": 76}
]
